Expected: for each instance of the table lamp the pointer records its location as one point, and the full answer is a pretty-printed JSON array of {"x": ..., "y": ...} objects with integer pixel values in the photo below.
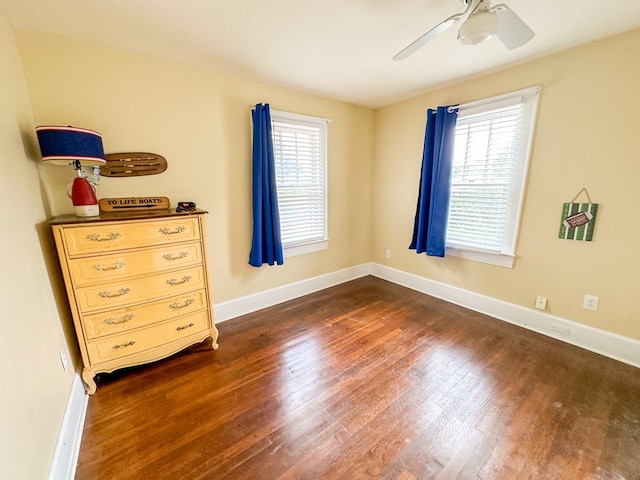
[{"x": 77, "y": 147}]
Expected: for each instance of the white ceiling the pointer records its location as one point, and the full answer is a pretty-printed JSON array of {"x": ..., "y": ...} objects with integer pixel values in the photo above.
[{"x": 340, "y": 49}]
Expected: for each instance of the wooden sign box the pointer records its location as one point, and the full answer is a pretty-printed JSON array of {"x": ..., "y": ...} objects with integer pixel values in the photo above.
[{"x": 133, "y": 203}]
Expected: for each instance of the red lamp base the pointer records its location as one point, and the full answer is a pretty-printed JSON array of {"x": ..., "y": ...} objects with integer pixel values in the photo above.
[{"x": 84, "y": 198}]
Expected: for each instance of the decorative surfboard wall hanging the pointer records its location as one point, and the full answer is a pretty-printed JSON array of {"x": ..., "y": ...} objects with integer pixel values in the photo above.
[
  {"x": 578, "y": 219},
  {"x": 133, "y": 164}
]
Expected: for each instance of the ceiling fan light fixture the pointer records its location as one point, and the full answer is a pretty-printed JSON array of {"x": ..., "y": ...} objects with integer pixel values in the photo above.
[{"x": 478, "y": 28}]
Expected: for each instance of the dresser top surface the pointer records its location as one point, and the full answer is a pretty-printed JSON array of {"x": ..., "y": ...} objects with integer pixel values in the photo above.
[{"x": 130, "y": 215}]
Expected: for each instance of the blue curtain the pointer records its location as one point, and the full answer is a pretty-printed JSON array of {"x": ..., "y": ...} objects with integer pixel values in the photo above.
[
  {"x": 430, "y": 224},
  {"x": 266, "y": 244}
]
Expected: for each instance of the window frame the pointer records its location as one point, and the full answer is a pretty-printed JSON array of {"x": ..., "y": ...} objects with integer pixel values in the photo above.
[
  {"x": 528, "y": 98},
  {"x": 291, "y": 120}
]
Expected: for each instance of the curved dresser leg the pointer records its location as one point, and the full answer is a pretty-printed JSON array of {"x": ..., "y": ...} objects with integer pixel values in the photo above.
[
  {"x": 90, "y": 384},
  {"x": 214, "y": 338}
]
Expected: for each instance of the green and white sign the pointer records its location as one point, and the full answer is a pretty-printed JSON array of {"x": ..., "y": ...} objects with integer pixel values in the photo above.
[{"x": 578, "y": 221}]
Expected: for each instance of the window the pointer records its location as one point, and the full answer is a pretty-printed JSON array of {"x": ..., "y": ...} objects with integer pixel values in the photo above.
[
  {"x": 299, "y": 147},
  {"x": 490, "y": 157}
]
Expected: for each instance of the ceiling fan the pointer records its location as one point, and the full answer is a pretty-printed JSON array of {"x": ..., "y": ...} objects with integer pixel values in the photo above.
[{"x": 482, "y": 23}]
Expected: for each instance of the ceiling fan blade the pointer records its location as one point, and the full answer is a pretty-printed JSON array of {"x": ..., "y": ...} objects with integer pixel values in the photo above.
[
  {"x": 512, "y": 31},
  {"x": 434, "y": 32}
]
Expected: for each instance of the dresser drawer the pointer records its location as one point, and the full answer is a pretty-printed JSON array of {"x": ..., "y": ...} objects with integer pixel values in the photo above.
[
  {"x": 103, "y": 268},
  {"x": 128, "y": 318},
  {"x": 98, "y": 238},
  {"x": 127, "y": 291},
  {"x": 121, "y": 345}
]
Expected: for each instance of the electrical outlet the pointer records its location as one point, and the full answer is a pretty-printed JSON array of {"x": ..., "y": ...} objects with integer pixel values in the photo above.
[
  {"x": 541, "y": 303},
  {"x": 387, "y": 253},
  {"x": 590, "y": 303},
  {"x": 64, "y": 361}
]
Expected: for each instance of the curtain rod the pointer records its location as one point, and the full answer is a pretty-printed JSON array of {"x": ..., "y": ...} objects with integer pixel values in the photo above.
[{"x": 294, "y": 116}]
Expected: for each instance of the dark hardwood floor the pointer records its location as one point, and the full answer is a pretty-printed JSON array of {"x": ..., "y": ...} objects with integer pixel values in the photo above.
[{"x": 368, "y": 380}]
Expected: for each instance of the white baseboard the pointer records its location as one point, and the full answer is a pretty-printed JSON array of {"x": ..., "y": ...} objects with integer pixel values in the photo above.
[
  {"x": 605, "y": 343},
  {"x": 251, "y": 303},
  {"x": 65, "y": 456},
  {"x": 609, "y": 344}
]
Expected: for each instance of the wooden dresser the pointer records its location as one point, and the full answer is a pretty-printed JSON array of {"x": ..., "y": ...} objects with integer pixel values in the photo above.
[{"x": 137, "y": 284}]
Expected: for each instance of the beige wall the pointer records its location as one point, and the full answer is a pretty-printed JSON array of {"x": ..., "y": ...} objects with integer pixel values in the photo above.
[
  {"x": 587, "y": 136},
  {"x": 200, "y": 122},
  {"x": 35, "y": 389}
]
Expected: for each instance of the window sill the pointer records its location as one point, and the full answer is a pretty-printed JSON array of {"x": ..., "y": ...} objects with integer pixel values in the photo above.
[
  {"x": 306, "y": 248},
  {"x": 498, "y": 259}
]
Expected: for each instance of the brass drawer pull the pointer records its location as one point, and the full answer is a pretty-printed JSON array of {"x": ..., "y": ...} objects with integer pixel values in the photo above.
[
  {"x": 94, "y": 237},
  {"x": 113, "y": 321},
  {"x": 104, "y": 268},
  {"x": 121, "y": 292},
  {"x": 186, "y": 303},
  {"x": 116, "y": 347},
  {"x": 169, "y": 256},
  {"x": 185, "y": 327},
  {"x": 167, "y": 231},
  {"x": 173, "y": 281}
]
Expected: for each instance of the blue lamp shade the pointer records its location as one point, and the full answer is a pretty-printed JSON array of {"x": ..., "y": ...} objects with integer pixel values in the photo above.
[{"x": 64, "y": 145}]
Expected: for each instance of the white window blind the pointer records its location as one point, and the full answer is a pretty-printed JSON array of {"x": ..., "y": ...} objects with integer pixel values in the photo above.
[
  {"x": 491, "y": 149},
  {"x": 299, "y": 144}
]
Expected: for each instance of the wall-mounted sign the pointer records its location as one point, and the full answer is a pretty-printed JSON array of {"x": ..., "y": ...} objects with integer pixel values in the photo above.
[{"x": 578, "y": 219}]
